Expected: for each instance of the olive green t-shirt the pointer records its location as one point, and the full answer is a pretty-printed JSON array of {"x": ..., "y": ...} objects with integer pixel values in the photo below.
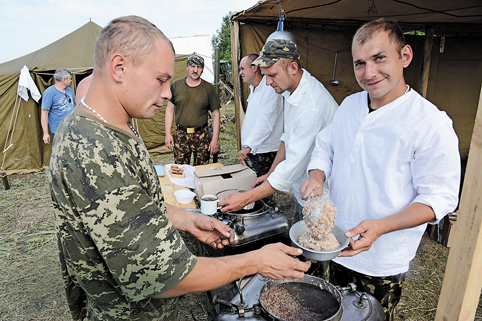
[
  {"x": 192, "y": 104},
  {"x": 117, "y": 246}
]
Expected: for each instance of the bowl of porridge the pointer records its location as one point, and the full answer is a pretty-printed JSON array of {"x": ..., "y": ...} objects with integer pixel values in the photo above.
[{"x": 317, "y": 247}]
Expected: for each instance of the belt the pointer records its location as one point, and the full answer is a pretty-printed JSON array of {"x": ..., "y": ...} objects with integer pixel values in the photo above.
[{"x": 191, "y": 130}]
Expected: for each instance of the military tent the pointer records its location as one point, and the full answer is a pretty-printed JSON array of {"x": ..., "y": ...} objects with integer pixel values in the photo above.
[
  {"x": 25, "y": 151},
  {"x": 447, "y": 68}
]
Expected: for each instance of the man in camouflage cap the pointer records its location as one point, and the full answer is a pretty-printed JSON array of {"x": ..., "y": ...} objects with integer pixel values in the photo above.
[
  {"x": 192, "y": 100},
  {"x": 308, "y": 108},
  {"x": 121, "y": 255},
  {"x": 276, "y": 49}
]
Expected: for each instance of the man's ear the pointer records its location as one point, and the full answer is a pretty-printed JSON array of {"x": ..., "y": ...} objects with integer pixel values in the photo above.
[
  {"x": 294, "y": 67},
  {"x": 407, "y": 55},
  {"x": 118, "y": 67}
]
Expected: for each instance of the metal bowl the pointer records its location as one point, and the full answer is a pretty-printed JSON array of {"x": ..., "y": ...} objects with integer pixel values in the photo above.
[{"x": 300, "y": 227}]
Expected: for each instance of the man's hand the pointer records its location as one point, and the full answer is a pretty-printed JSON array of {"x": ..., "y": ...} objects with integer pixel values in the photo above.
[
  {"x": 260, "y": 180},
  {"x": 314, "y": 185},
  {"x": 46, "y": 138},
  {"x": 234, "y": 202},
  {"x": 169, "y": 141},
  {"x": 214, "y": 146},
  {"x": 275, "y": 262},
  {"x": 212, "y": 232},
  {"x": 243, "y": 155},
  {"x": 369, "y": 231},
  {"x": 311, "y": 188}
]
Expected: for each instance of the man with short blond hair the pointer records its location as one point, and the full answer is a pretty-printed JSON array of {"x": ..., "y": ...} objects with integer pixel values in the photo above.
[
  {"x": 121, "y": 254},
  {"x": 394, "y": 164},
  {"x": 308, "y": 108}
]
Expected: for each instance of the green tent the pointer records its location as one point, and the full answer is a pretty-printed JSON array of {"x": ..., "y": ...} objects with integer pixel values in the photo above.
[{"x": 20, "y": 130}]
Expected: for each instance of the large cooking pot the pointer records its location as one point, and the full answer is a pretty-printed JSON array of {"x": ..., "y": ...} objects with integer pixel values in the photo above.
[
  {"x": 310, "y": 298},
  {"x": 317, "y": 296}
]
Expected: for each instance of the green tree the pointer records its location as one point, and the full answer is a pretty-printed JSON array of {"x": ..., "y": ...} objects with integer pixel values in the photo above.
[{"x": 222, "y": 39}]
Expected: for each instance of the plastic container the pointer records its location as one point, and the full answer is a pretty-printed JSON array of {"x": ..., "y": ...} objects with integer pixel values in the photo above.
[{"x": 184, "y": 196}]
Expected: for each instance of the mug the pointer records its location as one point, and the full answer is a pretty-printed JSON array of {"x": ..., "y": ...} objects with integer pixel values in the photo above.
[{"x": 209, "y": 204}]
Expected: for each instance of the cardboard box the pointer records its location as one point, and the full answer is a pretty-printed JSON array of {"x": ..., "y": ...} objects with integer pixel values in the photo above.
[
  {"x": 212, "y": 181},
  {"x": 443, "y": 231}
]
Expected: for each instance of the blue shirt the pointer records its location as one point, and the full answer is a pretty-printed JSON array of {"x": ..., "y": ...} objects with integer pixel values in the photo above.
[{"x": 59, "y": 105}]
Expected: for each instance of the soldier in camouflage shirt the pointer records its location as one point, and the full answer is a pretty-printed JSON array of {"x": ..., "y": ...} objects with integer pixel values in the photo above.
[{"x": 120, "y": 251}]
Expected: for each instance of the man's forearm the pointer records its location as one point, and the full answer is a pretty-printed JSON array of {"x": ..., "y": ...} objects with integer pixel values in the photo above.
[
  {"x": 280, "y": 156},
  {"x": 216, "y": 124},
  {"x": 169, "y": 117},
  {"x": 44, "y": 121},
  {"x": 317, "y": 175},
  {"x": 413, "y": 215},
  {"x": 259, "y": 192},
  {"x": 178, "y": 217}
]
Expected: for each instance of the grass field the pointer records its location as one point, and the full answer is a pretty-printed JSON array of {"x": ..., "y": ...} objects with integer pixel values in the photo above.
[{"x": 30, "y": 281}]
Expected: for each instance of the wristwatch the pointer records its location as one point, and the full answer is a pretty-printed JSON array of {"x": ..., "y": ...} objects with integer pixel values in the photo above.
[{"x": 246, "y": 146}]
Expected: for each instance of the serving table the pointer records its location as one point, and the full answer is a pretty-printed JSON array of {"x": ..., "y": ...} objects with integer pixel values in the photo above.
[{"x": 168, "y": 188}]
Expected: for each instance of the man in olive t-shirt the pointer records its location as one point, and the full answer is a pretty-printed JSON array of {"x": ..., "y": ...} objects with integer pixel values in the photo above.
[{"x": 192, "y": 99}]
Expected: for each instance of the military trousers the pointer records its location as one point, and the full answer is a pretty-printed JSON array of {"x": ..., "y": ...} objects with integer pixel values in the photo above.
[
  {"x": 196, "y": 143},
  {"x": 261, "y": 163},
  {"x": 386, "y": 289}
]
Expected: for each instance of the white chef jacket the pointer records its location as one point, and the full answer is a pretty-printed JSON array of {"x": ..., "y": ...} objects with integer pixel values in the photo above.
[
  {"x": 263, "y": 123},
  {"x": 380, "y": 162},
  {"x": 307, "y": 110}
]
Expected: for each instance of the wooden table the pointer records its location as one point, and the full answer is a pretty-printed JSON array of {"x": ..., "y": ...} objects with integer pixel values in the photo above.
[{"x": 168, "y": 188}]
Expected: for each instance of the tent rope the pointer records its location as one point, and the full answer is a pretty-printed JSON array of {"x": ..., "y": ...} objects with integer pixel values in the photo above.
[{"x": 16, "y": 108}]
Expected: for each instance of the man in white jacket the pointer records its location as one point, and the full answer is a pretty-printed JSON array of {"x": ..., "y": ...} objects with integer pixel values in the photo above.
[
  {"x": 394, "y": 164},
  {"x": 308, "y": 108},
  {"x": 263, "y": 123}
]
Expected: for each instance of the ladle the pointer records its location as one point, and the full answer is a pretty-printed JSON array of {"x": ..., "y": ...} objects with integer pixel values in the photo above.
[{"x": 334, "y": 82}]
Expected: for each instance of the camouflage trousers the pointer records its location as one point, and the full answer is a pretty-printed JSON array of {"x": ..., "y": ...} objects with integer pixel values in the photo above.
[
  {"x": 386, "y": 289},
  {"x": 261, "y": 163},
  {"x": 196, "y": 143}
]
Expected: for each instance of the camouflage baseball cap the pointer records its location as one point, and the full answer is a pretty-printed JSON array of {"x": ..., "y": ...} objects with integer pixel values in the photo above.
[
  {"x": 275, "y": 49},
  {"x": 195, "y": 60}
]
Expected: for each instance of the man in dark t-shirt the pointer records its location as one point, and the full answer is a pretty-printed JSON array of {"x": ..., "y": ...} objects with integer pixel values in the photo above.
[{"x": 192, "y": 99}]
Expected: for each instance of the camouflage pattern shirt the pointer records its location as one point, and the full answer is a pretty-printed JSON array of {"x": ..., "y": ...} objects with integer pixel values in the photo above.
[{"x": 117, "y": 246}]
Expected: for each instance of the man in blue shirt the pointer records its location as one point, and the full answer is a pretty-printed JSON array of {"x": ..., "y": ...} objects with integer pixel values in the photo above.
[{"x": 57, "y": 102}]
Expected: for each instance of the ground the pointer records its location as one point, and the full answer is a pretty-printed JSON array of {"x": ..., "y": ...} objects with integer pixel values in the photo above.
[{"x": 30, "y": 281}]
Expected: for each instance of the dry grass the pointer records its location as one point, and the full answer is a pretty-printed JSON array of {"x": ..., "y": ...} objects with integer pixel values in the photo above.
[{"x": 30, "y": 281}]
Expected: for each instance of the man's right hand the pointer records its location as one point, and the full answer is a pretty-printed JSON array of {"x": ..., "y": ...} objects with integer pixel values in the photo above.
[
  {"x": 169, "y": 141},
  {"x": 276, "y": 262},
  {"x": 243, "y": 155},
  {"x": 46, "y": 138},
  {"x": 314, "y": 185},
  {"x": 310, "y": 188}
]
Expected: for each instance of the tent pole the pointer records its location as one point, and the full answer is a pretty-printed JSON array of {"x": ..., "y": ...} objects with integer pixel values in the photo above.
[
  {"x": 235, "y": 57},
  {"x": 427, "y": 59},
  {"x": 6, "y": 185},
  {"x": 463, "y": 275}
]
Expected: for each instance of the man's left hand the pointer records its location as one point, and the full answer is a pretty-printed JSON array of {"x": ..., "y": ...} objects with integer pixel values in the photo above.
[
  {"x": 212, "y": 232},
  {"x": 369, "y": 231},
  {"x": 214, "y": 147}
]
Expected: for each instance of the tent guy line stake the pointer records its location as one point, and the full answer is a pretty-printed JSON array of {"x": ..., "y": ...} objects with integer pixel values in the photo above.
[{"x": 5, "y": 150}]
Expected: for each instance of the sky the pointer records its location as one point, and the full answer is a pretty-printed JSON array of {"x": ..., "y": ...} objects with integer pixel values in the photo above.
[{"x": 29, "y": 25}]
